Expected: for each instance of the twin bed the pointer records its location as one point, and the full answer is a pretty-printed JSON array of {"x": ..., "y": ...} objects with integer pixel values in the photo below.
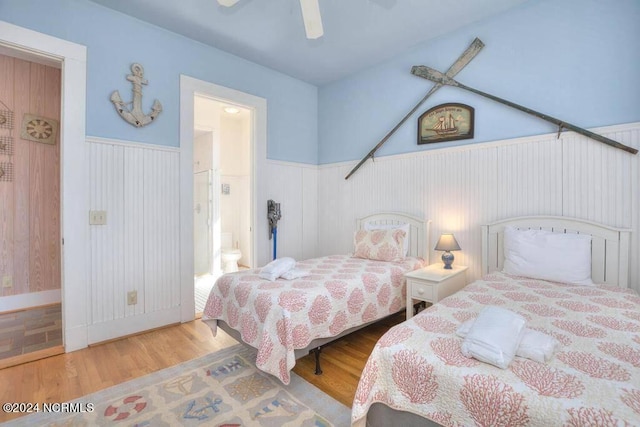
[
  {"x": 417, "y": 375},
  {"x": 286, "y": 319}
]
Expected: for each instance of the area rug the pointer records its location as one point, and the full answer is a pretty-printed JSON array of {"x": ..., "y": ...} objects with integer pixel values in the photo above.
[{"x": 220, "y": 389}]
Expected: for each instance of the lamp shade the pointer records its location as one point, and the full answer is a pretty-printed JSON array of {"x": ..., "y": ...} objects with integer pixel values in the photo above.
[{"x": 447, "y": 242}]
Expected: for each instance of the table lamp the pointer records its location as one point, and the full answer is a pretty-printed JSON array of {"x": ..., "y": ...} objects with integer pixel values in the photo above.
[{"x": 447, "y": 243}]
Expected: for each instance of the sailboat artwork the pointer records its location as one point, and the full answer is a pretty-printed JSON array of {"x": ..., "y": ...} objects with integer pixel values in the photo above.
[
  {"x": 446, "y": 125},
  {"x": 446, "y": 122}
]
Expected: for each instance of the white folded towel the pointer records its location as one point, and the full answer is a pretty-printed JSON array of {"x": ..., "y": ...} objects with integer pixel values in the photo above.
[
  {"x": 276, "y": 268},
  {"x": 295, "y": 274},
  {"x": 494, "y": 336},
  {"x": 534, "y": 345},
  {"x": 537, "y": 346}
]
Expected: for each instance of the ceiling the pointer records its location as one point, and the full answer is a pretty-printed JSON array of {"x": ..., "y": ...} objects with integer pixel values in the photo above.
[{"x": 357, "y": 33}]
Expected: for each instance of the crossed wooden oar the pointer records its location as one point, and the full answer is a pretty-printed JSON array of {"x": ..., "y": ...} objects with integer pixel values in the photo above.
[
  {"x": 443, "y": 79},
  {"x": 466, "y": 57}
]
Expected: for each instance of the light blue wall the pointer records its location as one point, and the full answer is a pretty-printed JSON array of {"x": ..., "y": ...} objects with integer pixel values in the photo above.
[
  {"x": 577, "y": 60},
  {"x": 114, "y": 41}
]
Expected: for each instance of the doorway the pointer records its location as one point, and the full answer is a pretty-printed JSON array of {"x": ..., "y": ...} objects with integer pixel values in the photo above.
[
  {"x": 221, "y": 192},
  {"x": 70, "y": 59}
]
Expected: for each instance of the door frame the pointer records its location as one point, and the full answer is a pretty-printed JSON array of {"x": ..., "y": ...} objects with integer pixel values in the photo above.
[
  {"x": 74, "y": 223},
  {"x": 189, "y": 88}
]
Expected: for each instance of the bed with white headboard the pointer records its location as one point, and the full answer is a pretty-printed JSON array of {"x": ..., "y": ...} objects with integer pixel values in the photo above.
[
  {"x": 418, "y": 376},
  {"x": 343, "y": 293},
  {"x": 609, "y": 245}
]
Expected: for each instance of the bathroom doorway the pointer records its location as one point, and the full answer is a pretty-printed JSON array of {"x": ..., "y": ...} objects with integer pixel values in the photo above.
[{"x": 221, "y": 192}]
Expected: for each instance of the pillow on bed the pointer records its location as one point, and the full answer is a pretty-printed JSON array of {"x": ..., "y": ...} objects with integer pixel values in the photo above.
[
  {"x": 404, "y": 227},
  {"x": 541, "y": 254},
  {"x": 381, "y": 245}
]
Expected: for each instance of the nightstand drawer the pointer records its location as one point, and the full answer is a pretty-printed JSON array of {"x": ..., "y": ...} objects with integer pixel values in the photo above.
[{"x": 421, "y": 291}]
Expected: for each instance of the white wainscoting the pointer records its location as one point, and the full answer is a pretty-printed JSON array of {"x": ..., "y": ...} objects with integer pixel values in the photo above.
[
  {"x": 461, "y": 188},
  {"x": 138, "y": 248},
  {"x": 295, "y": 187}
]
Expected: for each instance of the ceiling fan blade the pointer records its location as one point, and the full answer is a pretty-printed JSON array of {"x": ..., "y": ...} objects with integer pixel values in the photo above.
[
  {"x": 227, "y": 3},
  {"x": 312, "y": 19}
]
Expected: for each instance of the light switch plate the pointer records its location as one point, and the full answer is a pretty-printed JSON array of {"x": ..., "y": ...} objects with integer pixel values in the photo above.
[
  {"x": 132, "y": 297},
  {"x": 97, "y": 217},
  {"x": 7, "y": 282}
]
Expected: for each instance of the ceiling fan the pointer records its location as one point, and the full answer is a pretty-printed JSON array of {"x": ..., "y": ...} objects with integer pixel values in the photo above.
[{"x": 310, "y": 16}]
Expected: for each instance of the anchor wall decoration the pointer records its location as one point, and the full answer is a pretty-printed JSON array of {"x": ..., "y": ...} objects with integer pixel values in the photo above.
[{"x": 136, "y": 116}]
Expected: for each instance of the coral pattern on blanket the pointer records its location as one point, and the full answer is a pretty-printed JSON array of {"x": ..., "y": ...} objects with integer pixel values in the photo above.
[
  {"x": 448, "y": 350},
  {"x": 591, "y": 380},
  {"x": 622, "y": 352},
  {"x": 631, "y": 398},
  {"x": 395, "y": 336},
  {"x": 413, "y": 377},
  {"x": 436, "y": 324},
  {"x": 493, "y": 403},
  {"x": 284, "y": 315},
  {"x": 547, "y": 381},
  {"x": 591, "y": 417},
  {"x": 579, "y": 306},
  {"x": 594, "y": 366}
]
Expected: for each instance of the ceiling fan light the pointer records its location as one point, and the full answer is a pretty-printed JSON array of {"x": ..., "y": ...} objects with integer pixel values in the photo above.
[
  {"x": 227, "y": 3},
  {"x": 312, "y": 18}
]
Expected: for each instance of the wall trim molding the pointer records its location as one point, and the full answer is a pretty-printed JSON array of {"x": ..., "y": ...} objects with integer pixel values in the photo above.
[
  {"x": 30, "y": 300},
  {"x": 134, "y": 144},
  {"x": 292, "y": 164},
  {"x": 490, "y": 144}
]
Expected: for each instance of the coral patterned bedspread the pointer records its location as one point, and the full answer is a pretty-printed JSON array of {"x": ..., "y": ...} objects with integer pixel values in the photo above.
[
  {"x": 593, "y": 379},
  {"x": 280, "y": 316}
]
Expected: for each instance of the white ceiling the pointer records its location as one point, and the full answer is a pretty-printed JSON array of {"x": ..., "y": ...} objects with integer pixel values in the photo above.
[{"x": 357, "y": 33}]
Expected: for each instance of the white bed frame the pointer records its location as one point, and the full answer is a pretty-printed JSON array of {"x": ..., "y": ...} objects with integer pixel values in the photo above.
[{"x": 609, "y": 245}]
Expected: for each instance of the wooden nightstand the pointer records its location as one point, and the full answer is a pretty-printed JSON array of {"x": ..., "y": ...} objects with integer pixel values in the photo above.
[{"x": 433, "y": 283}]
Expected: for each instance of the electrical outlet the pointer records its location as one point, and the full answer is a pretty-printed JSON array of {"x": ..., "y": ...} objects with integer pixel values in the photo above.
[
  {"x": 7, "y": 282},
  {"x": 97, "y": 217},
  {"x": 132, "y": 297}
]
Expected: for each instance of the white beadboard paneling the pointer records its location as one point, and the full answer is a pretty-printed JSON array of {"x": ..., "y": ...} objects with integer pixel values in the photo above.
[
  {"x": 461, "y": 188},
  {"x": 137, "y": 250},
  {"x": 133, "y": 248},
  {"x": 294, "y": 186},
  {"x": 161, "y": 224}
]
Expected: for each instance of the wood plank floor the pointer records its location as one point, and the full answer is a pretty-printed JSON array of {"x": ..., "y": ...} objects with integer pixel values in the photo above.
[{"x": 68, "y": 376}]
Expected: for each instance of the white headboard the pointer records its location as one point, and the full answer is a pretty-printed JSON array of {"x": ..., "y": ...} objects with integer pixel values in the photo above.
[
  {"x": 418, "y": 231},
  {"x": 609, "y": 245}
]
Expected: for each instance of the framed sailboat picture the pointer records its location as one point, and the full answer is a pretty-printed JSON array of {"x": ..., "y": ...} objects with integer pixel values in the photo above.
[{"x": 446, "y": 122}]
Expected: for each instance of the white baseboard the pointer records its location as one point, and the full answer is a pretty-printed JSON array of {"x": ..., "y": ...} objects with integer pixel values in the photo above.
[{"x": 117, "y": 328}]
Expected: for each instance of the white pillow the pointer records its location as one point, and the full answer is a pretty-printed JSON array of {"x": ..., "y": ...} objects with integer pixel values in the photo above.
[
  {"x": 277, "y": 268},
  {"x": 369, "y": 226},
  {"x": 545, "y": 255}
]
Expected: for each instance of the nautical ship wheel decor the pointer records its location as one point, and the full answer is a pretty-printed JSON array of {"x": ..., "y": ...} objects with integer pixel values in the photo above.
[
  {"x": 446, "y": 122},
  {"x": 39, "y": 129}
]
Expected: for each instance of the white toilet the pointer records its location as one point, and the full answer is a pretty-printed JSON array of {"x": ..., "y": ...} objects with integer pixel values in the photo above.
[{"x": 230, "y": 256}]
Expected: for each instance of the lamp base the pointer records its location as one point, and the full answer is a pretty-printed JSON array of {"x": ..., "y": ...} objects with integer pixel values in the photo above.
[{"x": 447, "y": 258}]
